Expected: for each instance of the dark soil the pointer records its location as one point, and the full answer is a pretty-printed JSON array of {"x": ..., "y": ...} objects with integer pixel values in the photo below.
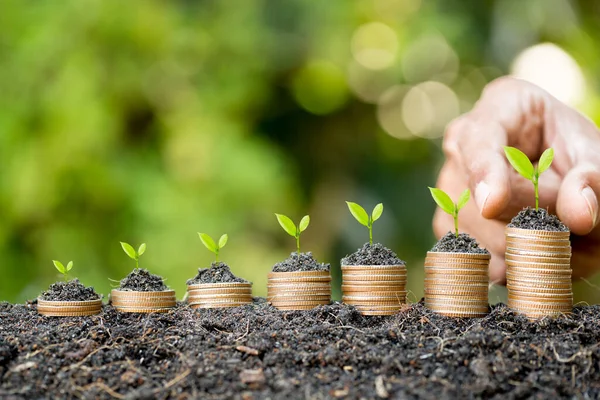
[
  {"x": 300, "y": 262},
  {"x": 140, "y": 280},
  {"x": 217, "y": 273},
  {"x": 372, "y": 254},
  {"x": 462, "y": 244},
  {"x": 541, "y": 220},
  {"x": 72, "y": 290},
  {"x": 257, "y": 352}
]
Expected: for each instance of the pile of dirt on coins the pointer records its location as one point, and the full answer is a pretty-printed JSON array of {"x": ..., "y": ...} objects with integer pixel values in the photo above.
[
  {"x": 540, "y": 219},
  {"x": 372, "y": 254},
  {"x": 142, "y": 280},
  {"x": 300, "y": 262},
  {"x": 217, "y": 273},
  {"x": 72, "y": 290},
  {"x": 331, "y": 351},
  {"x": 461, "y": 244}
]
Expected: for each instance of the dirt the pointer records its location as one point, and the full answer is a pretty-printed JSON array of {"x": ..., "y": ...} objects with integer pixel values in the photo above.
[
  {"x": 541, "y": 220},
  {"x": 257, "y": 352},
  {"x": 72, "y": 290},
  {"x": 461, "y": 244},
  {"x": 300, "y": 262},
  {"x": 217, "y": 273},
  {"x": 372, "y": 254},
  {"x": 141, "y": 280}
]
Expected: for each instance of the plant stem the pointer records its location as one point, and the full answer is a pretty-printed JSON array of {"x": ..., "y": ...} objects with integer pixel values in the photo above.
[
  {"x": 537, "y": 191},
  {"x": 371, "y": 234},
  {"x": 298, "y": 243},
  {"x": 137, "y": 263},
  {"x": 456, "y": 224},
  {"x": 217, "y": 256}
]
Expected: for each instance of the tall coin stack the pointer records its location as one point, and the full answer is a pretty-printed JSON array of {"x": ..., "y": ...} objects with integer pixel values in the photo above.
[
  {"x": 456, "y": 284},
  {"x": 142, "y": 302},
  {"x": 217, "y": 295},
  {"x": 374, "y": 289},
  {"x": 299, "y": 290},
  {"x": 538, "y": 272}
]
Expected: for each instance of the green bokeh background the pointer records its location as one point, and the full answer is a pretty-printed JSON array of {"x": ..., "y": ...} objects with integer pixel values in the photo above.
[{"x": 148, "y": 121}]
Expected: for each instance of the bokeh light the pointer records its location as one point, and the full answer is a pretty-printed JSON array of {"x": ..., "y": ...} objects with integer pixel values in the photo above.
[
  {"x": 375, "y": 45},
  {"x": 430, "y": 57}
]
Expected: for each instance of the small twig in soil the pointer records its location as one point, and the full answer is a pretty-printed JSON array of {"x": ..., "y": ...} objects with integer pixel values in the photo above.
[
  {"x": 101, "y": 386},
  {"x": 173, "y": 381},
  {"x": 245, "y": 334}
]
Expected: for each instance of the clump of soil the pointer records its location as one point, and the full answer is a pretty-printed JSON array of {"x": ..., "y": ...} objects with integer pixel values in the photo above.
[
  {"x": 372, "y": 254},
  {"x": 140, "y": 280},
  {"x": 462, "y": 244},
  {"x": 217, "y": 273},
  {"x": 72, "y": 290},
  {"x": 540, "y": 219},
  {"x": 300, "y": 262}
]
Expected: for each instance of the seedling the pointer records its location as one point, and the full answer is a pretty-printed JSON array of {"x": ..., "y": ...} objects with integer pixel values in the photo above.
[
  {"x": 445, "y": 202},
  {"x": 361, "y": 216},
  {"x": 523, "y": 166},
  {"x": 62, "y": 269},
  {"x": 288, "y": 225},
  {"x": 210, "y": 244},
  {"x": 135, "y": 255}
]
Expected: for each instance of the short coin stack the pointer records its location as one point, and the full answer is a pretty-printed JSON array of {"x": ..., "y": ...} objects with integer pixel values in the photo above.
[
  {"x": 69, "y": 308},
  {"x": 374, "y": 289},
  {"x": 456, "y": 284},
  {"x": 299, "y": 290},
  {"x": 142, "y": 302},
  {"x": 538, "y": 272},
  {"x": 217, "y": 295}
]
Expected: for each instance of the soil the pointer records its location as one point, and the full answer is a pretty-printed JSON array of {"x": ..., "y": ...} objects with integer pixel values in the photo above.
[
  {"x": 462, "y": 244},
  {"x": 372, "y": 254},
  {"x": 140, "y": 280},
  {"x": 72, "y": 290},
  {"x": 217, "y": 273},
  {"x": 300, "y": 262},
  {"x": 541, "y": 220},
  {"x": 257, "y": 352}
]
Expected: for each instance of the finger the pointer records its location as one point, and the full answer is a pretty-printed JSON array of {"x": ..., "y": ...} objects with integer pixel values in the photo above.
[{"x": 577, "y": 204}]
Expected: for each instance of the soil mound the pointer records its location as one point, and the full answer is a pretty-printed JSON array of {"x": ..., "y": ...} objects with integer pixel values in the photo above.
[
  {"x": 461, "y": 244},
  {"x": 300, "y": 262},
  {"x": 540, "y": 220},
  {"x": 217, "y": 273},
  {"x": 372, "y": 254},
  {"x": 140, "y": 280},
  {"x": 72, "y": 290}
]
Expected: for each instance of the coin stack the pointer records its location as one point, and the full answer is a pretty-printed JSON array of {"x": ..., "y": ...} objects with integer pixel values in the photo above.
[
  {"x": 217, "y": 295},
  {"x": 456, "y": 284},
  {"x": 538, "y": 272},
  {"x": 299, "y": 290},
  {"x": 374, "y": 289},
  {"x": 69, "y": 308},
  {"x": 142, "y": 302}
]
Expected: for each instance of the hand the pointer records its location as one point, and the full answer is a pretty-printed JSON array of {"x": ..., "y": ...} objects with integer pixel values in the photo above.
[{"x": 515, "y": 113}]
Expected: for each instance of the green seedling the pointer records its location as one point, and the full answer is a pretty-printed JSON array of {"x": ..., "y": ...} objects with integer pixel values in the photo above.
[
  {"x": 210, "y": 244},
  {"x": 525, "y": 167},
  {"x": 361, "y": 216},
  {"x": 62, "y": 269},
  {"x": 445, "y": 202},
  {"x": 288, "y": 225},
  {"x": 135, "y": 255}
]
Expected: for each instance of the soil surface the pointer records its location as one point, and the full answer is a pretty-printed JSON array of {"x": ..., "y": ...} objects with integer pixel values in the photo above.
[
  {"x": 461, "y": 244},
  {"x": 372, "y": 254},
  {"x": 141, "y": 280},
  {"x": 217, "y": 273},
  {"x": 72, "y": 290},
  {"x": 541, "y": 220},
  {"x": 257, "y": 352},
  {"x": 300, "y": 262}
]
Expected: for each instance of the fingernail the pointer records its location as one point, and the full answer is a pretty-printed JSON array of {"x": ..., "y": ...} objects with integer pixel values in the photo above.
[
  {"x": 482, "y": 192},
  {"x": 592, "y": 202}
]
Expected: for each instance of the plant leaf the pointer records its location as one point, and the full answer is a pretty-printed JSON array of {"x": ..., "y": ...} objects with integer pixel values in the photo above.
[
  {"x": 463, "y": 199},
  {"x": 359, "y": 213},
  {"x": 59, "y": 266},
  {"x": 304, "y": 223},
  {"x": 208, "y": 242},
  {"x": 130, "y": 251},
  {"x": 546, "y": 160},
  {"x": 443, "y": 200},
  {"x": 520, "y": 162},
  {"x": 287, "y": 224},
  {"x": 142, "y": 249},
  {"x": 69, "y": 266},
  {"x": 377, "y": 211},
  {"x": 223, "y": 241}
]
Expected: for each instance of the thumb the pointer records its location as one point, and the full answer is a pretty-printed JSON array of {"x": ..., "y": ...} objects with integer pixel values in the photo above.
[{"x": 577, "y": 203}]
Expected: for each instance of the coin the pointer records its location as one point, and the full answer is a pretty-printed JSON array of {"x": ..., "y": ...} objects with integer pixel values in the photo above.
[
  {"x": 221, "y": 285},
  {"x": 300, "y": 304},
  {"x": 300, "y": 274},
  {"x": 143, "y": 310},
  {"x": 467, "y": 256},
  {"x": 536, "y": 259},
  {"x": 374, "y": 268},
  {"x": 124, "y": 294},
  {"x": 531, "y": 233}
]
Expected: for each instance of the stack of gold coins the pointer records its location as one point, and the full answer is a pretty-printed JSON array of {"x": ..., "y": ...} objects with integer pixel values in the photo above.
[
  {"x": 301, "y": 290},
  {"x": 456, "y": 284},
  {"x": 538, "y": 272},
  {"x": 69, "y": 308},
  {"x": 374, "y": 289},
  {"x": 142, "y": 302},
  {"x": 217, "y": 295}
]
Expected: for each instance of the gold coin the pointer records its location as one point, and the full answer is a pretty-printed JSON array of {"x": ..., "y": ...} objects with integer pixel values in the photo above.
[
  {"x": 401, "y": 274},
  {"x": 218, "y": 293},
  {"x": 374, "y": 268},
  {"x": 538, "y": 285},
  {"x": 531, "y": 233},
  {"x": 537, "y": 265},
  {"x": 380, "y": 279},
  {"x": 380, "y": 313},
  {"x": 221, "y": 285},
  {"x": 219, "y": 296},
  {"x": 298, "y": 305},
  {"x": 456, "y": 292},
  {"x": 457, "y": 263},
  {"x": 48, "y": 309},
  {"x": 142, "y": 295},
  {"x": 299, "y": 274},
  {"x": 457, "y": 271},
  {"x": 55, "y": 313},
  {"x": 513, "y": 242},
  {"x": 300, "y": 287},
  {"x": 462, "y": 256},
  {"x": 42, "y": 302},
  {"x": 537, "y": 259},
  {"x": 298, "y": 298},
  {"x": 455, "y": 280},
  {"x": 360, "y": 289},
  {"x": 217, "y": 305},
  {"x": 228, "y": 301},
  {"x": 541, "y": 297},
  {"x": 529, "y": 305},
  {"x": 143, "y": 310}
]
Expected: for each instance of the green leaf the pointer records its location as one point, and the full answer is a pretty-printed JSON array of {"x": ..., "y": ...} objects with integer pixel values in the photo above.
[
  {"x": 287, "y": 224},
  {"x": 304, "y": 223},
  {"x": 443, "y": 200},
  {"x": 223, "y": 241},
  {"x": 359, "y": 213},
  {"x": 463, "y": 199},
  {"x": 520, "y": 162},
  {"x": 208, "y": 242},
  {"x": 59, "y": 266},
  {"x": 546, "y": 160},
  {"x": 69, "y": 266},
  {"x": 130, "y": 251},
  {"x": 377, "y": 211},
  {"x": 142, "y": 249}
]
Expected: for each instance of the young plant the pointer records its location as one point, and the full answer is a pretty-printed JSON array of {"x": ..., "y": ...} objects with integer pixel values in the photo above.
[
  {"x": 288, "y": 225},
  {"x": 62, "y": 269},
  {"x": 135, "y": 255},
  {"x": 523, "y": 166},
  {"x": 446, "y": 203},
  {"x": 210, "y": 244},
  {"x": 361, "y": 216}
]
